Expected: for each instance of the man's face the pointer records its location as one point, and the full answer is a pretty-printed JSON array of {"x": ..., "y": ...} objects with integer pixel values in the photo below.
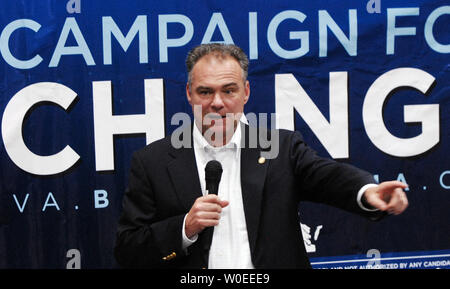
[{"x": 218, "y": 87}]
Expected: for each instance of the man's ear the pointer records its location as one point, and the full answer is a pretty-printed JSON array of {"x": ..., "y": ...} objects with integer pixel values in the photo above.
[
  {"x": 247, "y": 91},
  {"x": 188, "y": 93}
]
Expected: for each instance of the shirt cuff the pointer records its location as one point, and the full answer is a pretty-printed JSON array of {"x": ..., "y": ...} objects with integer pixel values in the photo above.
[
  {"x": 359, "y": 197},
  {"x": 187, "y": 241}
]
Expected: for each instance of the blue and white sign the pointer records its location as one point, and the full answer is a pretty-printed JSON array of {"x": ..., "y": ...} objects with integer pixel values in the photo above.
[{"x": 85, "y": 83}]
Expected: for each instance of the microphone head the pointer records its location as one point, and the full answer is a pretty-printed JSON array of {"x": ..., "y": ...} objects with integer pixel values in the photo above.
[{"x": 213, "y": 174}]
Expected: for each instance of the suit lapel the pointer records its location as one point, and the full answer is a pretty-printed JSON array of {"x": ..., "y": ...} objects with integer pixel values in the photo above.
[
  {"x": 253, "y": 174},
  {"x": 184, "y": 175}
]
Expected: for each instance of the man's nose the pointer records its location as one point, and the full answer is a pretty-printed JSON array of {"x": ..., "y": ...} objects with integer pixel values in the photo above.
[{"x": 217, "y": 103}]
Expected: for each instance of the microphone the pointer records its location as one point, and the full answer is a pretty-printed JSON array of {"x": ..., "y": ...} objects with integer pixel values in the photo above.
[{"x": 213, "y": 174}]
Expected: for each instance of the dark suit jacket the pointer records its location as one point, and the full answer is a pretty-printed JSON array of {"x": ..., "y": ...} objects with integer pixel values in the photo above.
[{"x": 164, "y": 183}]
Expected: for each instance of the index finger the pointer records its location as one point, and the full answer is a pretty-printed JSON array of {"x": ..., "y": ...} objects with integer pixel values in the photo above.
[
  {"x": 391, "y": 185},
  {"x": 212, "y": 198}
]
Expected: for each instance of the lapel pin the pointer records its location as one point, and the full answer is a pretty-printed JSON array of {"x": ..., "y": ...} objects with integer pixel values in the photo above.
[{"x": 262, "y": 160}]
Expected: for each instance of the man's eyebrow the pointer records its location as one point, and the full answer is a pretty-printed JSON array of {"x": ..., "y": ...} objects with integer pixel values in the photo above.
[
  {"x": 203, "y": 87},
  {"x": 229, "y": 84}
]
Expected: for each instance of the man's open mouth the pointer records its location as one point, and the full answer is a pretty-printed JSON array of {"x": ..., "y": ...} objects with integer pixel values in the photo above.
[{"x": 215, "y": 116}]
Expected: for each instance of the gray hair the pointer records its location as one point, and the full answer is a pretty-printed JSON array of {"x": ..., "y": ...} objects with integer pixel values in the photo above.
[{"x": 222, "y": 49}]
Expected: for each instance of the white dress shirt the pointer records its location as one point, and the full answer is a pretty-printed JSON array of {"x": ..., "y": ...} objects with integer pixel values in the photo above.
[{"x": 230, "y": 247}]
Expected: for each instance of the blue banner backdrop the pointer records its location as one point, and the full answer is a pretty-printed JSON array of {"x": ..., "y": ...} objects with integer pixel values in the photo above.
[{"x": 85, "y": 83}]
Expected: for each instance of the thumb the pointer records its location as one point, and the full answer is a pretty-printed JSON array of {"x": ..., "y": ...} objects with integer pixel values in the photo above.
[
  {"x": 374, "y": 198},
  {"x": 224, "y": 203},
  {"x": 377, "y": 202}
]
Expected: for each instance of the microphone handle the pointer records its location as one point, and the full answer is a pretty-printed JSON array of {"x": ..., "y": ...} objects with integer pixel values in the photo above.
[{"x": 211, "y": 189}]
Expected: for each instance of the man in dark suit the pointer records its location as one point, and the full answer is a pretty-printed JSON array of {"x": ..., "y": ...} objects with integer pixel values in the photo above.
[{"x": 167, "y": 214}]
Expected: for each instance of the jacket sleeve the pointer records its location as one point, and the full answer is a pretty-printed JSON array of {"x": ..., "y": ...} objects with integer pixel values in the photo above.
[
  {"x": 143, "y": 239},
  {"x": 327, "y": 181}
]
